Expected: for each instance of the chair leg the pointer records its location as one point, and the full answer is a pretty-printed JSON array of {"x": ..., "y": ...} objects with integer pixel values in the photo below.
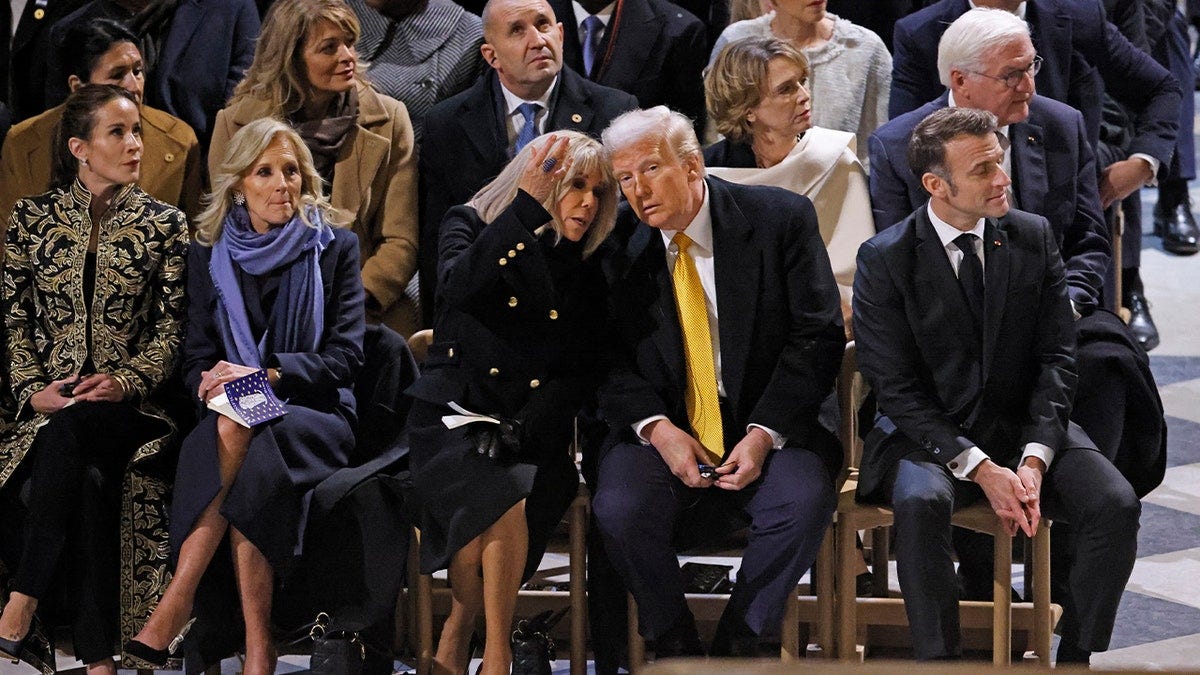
[
  {"x": 1041, "y": 593},
  {"x": 425, "y": 624},
  {"x": 579, "y": 520},
  {"x": 880, "y": 552},
  {"x": 847, "y": 620},
  {"x": 637, "y": 646},
  {"x": 789, "y": 632},
  {"x": 1002, "y": 602},
  {"x": 823, "y": 583}
]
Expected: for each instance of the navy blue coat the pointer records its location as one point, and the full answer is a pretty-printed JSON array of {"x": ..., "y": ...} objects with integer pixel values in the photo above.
[
  {"x": 910, "y": 319},
  {"x": 652, "y": 49},
  {"x": 1054, "y": 176},
  {"x": 781, "y": 331},
  {"x": 1073, "y": 38}
]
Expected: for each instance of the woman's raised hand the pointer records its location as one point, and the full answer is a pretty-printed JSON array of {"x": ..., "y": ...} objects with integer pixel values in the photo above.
[
  {"x": 547, "y": 166},
  {"x": 212, "y": 382}
]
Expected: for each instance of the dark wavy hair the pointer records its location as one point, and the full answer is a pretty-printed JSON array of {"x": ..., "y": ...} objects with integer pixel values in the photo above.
[
  {"x": 78, "y": 120},
  {"x": 87, "y": 41}
]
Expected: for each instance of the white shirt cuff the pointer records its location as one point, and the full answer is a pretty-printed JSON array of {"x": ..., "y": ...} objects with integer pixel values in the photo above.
[
  {"x": 1154, "y": 164},
  {"x": 965, "y": 462},
  {"x": 777, "y": 440},
  {"x": 1040, "y": 451},
  {"x": 638, "y": 427}
]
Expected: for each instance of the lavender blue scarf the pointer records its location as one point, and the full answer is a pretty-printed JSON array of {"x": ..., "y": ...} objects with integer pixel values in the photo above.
[{"x": 296, "y": 247}]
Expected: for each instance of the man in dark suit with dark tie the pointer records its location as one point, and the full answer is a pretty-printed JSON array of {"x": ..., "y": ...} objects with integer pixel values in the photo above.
[
  {"x": 727, "y": 337},
  {"x": 469, "y": 137},
  {"x": 966, "y": 336},
  {"x": 652, "y": 49},
  {"x": 1052, "y": 165}
]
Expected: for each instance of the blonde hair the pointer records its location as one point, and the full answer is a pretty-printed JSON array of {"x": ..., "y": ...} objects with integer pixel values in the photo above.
[
  {"x": 659, "y": 123},
  {"x": 586, "y": 156},
  {"x": 737, "y": 80},
  {"x": 242, "y": 153},
  {"x": 277, "y": 74}
]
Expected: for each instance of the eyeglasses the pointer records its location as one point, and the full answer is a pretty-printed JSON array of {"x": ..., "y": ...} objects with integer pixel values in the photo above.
[{"x": 1015, "y": 77}]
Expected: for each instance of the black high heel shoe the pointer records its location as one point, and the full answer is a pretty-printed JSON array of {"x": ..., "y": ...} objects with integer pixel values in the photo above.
[
  {"x": 10, "y": 650},
  {"x": 157, "y": 657}
]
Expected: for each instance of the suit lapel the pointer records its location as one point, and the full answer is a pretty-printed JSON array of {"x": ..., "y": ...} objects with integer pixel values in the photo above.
[
  {"x": 647, "y": 256},
  {"x": 995, "y": 287},
  {"x": 936, "y": 278},
  {"x": 482, "y": 122},
  {"x": 572, "y": 49},
  {"x": 570, "y": 105},
  {"x": 635, "y": 29},
  {"x": 1031, "y": 184},
  {"x": 737, "y": 266}
]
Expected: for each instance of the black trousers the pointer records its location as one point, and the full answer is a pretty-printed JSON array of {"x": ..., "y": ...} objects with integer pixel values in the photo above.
[
  {"x": 72, "y": 527},
  {"x": 1082, "y": 488}
]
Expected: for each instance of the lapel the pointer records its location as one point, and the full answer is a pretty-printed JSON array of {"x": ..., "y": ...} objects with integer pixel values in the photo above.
[
  {"x": 572, "y": 48},
  {"x": 570, "y": 105},
  {"x": 647, "y": 258},
  {"x": 29, "y": 26},
  {"x": 187, "y": 20},
  {"x": 480, "y": 121},
  {"x": 1031, "y": 183},
  {"x": 632, "y": 35},
  {"x": 737, "y": 265},
  {"x": 997, "y": 263},
  {"x": 361, "y": 161},
  {"x": 1049, "y": 30}
]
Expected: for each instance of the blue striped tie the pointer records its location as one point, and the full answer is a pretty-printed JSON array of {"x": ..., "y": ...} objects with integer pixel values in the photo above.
[
  {"x": 528, "y": 132},
  {"x": 592, "y": 29}
]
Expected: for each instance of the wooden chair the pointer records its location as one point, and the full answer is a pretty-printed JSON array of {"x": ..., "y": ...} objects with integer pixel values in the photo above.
[
  {"x": 854, "y": 612},
  {"x": 421, "y": 598}
]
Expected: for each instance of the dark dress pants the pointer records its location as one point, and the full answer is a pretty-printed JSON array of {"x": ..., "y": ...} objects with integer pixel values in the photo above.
[
  {"x": 1081, "y": 487},
  {"x": 639, "y": 503},
  {"x": 71, "y": 533}
]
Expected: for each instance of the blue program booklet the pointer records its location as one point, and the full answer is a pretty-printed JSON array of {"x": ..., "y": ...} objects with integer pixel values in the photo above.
[{"x": 249, "y": 400}]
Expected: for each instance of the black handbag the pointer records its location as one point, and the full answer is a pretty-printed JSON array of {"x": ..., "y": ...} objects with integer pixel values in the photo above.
[
  {"x": 338, "y": 652},
  {"x": 532, "y": 647},
  {"x": 498, "y": 442}
]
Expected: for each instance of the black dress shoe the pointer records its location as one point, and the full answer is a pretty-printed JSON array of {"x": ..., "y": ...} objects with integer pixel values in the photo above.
[
  {"x": 1174, "y": 222},
  {"x": 681, "y": 640},
  {"x": 1140, "y": 321},
  {"x": 734, "y": 638}
]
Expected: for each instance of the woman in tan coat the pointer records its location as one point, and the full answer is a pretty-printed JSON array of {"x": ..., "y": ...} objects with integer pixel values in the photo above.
[{"x": 306, "y": 72}]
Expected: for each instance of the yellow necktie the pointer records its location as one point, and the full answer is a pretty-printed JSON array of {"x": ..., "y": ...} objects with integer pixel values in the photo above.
[{"x": 704, "y": 410}]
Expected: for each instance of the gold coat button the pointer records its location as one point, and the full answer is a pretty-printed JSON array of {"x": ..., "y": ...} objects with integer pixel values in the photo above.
[
  {"x": 553, "y": 314},
  {"x": 503, "y": 262},
  {"x": 512, "y": 253},
  {"x": 534, "y": 384},
  {"x": 512, "y": 302},
  {"x": 39, "y": 14},
  {"x": 494, "y": 372},
  {"x": 520, "y": 246},
  {"x": 169, "y": 157}
]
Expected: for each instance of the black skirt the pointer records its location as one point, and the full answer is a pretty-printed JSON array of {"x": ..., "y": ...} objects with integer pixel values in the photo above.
[{"x": 459, "y": 494}]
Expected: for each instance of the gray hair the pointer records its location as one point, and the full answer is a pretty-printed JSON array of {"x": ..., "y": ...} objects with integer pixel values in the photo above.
[
  {"x": 927, "y": 145},
  {"x": 972, "y": 36},
  {"x": 658, "y": 123},
  {"x": 242, "y": 152},
  {"x": 585, "y": 156}
]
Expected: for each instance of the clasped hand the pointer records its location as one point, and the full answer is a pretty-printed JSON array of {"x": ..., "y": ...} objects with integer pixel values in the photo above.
[
  {"x": 683, "y": 454},
  {"x": 94, "y": 387},
  {"x": 1014, "y": 496}
]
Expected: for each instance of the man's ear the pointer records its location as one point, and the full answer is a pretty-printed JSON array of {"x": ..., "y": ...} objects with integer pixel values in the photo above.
[
  {"x": 489, "y": 54},
  {"x": 934, "y": 184}
]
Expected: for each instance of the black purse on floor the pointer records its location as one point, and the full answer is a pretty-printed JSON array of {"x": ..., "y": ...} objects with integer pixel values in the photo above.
[{"x": 532, "y": 647}]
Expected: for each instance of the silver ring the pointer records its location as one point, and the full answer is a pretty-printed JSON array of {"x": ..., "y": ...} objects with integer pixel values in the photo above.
[{"x": 548, "y": 165}]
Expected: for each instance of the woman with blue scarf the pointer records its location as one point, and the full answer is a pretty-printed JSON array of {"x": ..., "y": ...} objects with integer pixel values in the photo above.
[{"x": 273, "y": 287}]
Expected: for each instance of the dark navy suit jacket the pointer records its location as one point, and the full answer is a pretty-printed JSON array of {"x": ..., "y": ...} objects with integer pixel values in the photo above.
[
  {"x": 1054, "y": 176},
  {"x": 466, "y": 145},
  {"x": 1073, "y": 38},
  {"x": 911, "y": 320},
  {"x": 780, "y": 321},
  {"x": 652, "y": 49}
]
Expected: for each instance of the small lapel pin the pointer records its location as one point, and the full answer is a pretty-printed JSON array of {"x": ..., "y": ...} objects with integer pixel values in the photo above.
[
  {"x": 576, "y": 118},
  {"x": 995, "y": 242},
  {"x": 39, "y": 14},
  {"x": 1033, "y": 140}
]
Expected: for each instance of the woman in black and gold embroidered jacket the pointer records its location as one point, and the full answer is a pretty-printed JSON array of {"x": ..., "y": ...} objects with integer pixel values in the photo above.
[{"x": 93, "y": 307}]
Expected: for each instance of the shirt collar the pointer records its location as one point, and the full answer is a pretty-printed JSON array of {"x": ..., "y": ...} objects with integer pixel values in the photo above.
[
  {"x": 946, "y": 232},
  {"x": 605, "y": 15},
  {"x": 700, "y": 229},
  {"x": 511, "y": 100},
  {"x": 1020, "y": 8}
]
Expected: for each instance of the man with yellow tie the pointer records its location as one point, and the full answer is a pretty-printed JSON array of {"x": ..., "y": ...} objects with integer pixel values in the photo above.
[{"x": 727, "y": 337}]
